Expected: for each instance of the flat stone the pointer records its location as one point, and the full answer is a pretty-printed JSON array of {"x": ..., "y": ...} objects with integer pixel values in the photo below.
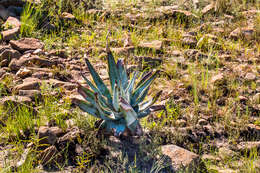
[
  {"x": 243, "y": 33},
  {"x": 26, "y": 44},
  {"x": 24, "y": 72},
  {"x": 189, "y": 41},
  {"x": 217, "y": 78},
  {"x": 248, "y": 146},
  {"x": 250, "y": 76},
  {"x": 10, "y": 54},
  {"x": 225, "y": 152},
  {"x": 33, "y": 94},
  {"x": 227, "y": 171},
  {"x": 67, "y": 16},
  {"x": 181, "y": 158},
  {"x": 10, "y": 34},
  {"x": 30, "y": 85},
  {"x": 209, "y": 8},
  {"x": 155, "y": 44},
  {"x": 46, "y": 135},
  {"x": 256, "y": 98},
  {"x": 13, "y": 22},
  {"x": 14, "y": 100}
]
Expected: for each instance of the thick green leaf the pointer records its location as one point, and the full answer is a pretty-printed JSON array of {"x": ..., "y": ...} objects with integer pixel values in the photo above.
[
  {"x": 116, "y": 98},
  {"x": 96, "y": 90},
  {"x": 112, "y": 70},
  {"x": 149, "y": 103},
  {"x": 98, "y": 81},
  {"x": 104, "y": 113},
  {"x": 130, "y": 115},
  {"x": 142, "y": 88},
  {"x": 130, "y": 86},
  {"x": 144, "y": 113},
  {"x": 92, "y": 86},
  {"x": 89, "y": 108},
  {"x": 141, "y": 97},
  {"x": 144, "y": 78},
  {"x": 87, "y": 94},
  {"x": 122, "y": 73}
]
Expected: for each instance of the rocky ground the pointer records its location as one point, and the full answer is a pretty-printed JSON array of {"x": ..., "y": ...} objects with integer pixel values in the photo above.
[{"x": 208, "y": 54}]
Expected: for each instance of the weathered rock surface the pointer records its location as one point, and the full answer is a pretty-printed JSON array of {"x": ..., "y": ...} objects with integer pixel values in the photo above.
[
  {"x": 154, "y": 45},
  {"x": 12, "y": 22},
  {"x": 25, "y": 44},
  {"x": 30, "y": 85},
  {"x": 181, "y": 158},
  {"x": 15, "y": 100},
  {"x": 10, "y": 34}
]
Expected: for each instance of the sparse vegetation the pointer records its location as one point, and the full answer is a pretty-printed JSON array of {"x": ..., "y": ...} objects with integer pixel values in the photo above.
[{"x": 206, "y": 54}]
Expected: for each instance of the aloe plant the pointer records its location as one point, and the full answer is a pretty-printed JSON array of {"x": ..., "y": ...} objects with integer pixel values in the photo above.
[{"x": 121, "y": 106}]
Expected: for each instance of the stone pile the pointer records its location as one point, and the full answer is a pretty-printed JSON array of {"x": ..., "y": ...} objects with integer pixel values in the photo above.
[{"x": 28, "y": 66}]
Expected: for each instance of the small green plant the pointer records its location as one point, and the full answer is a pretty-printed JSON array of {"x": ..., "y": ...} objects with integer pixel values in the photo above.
[{"x": 121, "y": 108}]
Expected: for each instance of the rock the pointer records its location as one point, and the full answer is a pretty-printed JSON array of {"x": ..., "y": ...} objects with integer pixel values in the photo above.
[
  {"x": 36, "y": 60},
  {"x": 246, "y": 147},
  {"x": 33, "y": 94},
  {"x": 181, "y": 158},
  {"x": 12, "y": 22},
  {"x": 23, "y": 72},
  {"x": 72, "y": 134},
  {"x": 41, "y": 75},
  {"x": 226, "y": 153},
  {"x": 254, "y": 130},
  {"x": 50, "y": 156},
  {"x": 25, "y": 44},
  {"x": 30, "y": 85},
  {"x": 10, "y": 34},
  {"x": 67, "y": 16},
  {"x": 181, "y": 123},
  {"x": 226, "y": 171},
  {"x": 48, "y": 135},
  {"x": 10, "y": 54},
  {"x": 60, "y": 53},
  {"x": 2, "y": 72},
  {"x": 15, "y": 100},
  {"x": 153, "y": 45},
  {"x": 4, "y": 13},
  {"x": 202, "y": 122},
  {"x": 250, "y": 76},
  {"x": 255, "y": 99},
  {"x": 14, "y": 65},
  {"x": 217, "y": 78},
  {"x": 147, "y": 62},
  {"x": 123, "y": 50},
  {"x": 189, "y": 41},
  {"x": 243, "y": 33},
  {"x": 56, "y": 83},
  {"x": 208, "y": 157},
  {"x": 79, "y": 149},
  {"x": 209, "y": 8}
]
